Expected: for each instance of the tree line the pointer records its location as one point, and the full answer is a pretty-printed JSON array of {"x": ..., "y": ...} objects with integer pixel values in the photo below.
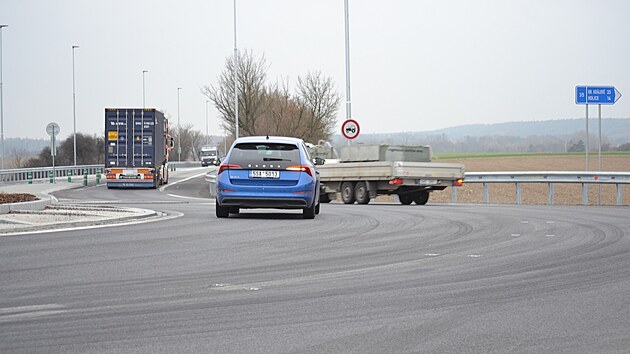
[{"x": 308, "y": 113}]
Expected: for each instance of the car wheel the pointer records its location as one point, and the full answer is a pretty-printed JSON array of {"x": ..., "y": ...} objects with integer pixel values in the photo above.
[
  {"x": 317, "y": 209},
  {"x": 405, "y": 199},
  {"x": 361, "y": 193},
  {"x": 421, "y": 198},
  {"x": 222, "y": 212},
  {"x": 309, "y": 213},
  {"x": 347, "y": 192},
  {"x": 235, "y": 210}
]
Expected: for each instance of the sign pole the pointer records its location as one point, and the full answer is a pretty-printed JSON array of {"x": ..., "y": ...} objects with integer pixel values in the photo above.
[
  {"x": 599, "y": 152},
  {"x": 586, "y": 142}
]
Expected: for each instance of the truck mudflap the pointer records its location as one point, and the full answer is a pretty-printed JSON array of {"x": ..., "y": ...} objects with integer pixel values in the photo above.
[{"x": 140, "y": 177}]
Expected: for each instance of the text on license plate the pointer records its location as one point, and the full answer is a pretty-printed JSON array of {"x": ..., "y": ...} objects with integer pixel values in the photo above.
[
  {"x": 426, "y": 182},
  {"x": 264, "y": 174}
]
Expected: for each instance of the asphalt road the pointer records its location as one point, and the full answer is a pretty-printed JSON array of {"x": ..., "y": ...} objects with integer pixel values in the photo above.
[{"x": 359, "y": 278}]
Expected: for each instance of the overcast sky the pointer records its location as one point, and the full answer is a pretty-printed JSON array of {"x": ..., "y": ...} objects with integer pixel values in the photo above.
[{"x": 415, "y": 65}]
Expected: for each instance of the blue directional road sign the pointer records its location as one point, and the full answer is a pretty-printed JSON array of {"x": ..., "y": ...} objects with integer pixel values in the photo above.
[{"x": 596, "y": 95}]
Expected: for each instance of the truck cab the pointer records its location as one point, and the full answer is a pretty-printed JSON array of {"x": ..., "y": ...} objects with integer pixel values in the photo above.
[{"x": 209, "y": 155}]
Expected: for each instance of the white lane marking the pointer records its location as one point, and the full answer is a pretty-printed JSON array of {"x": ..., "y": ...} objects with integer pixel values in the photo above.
[
  {"x": 550, "y": 235},
  {"x": 431, "y": 254},
  {"x": 181, "y": 180},
  {"x": 23, "y": 312},
  {"x": 141, "y": 221},
  {"x": 524, "y": 222},
  {"x": 474, "y": 256},
  {"x": 550, "y": 222},
  {"x": 208, "y": 200},
  {"x": 516, "y": 235}
]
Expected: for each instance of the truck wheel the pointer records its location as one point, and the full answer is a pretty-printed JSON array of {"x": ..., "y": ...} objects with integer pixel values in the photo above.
[
  {"x": 347, "y": 192},
  {"x": 361, "y": 193},
  {"x": 222, "y": 212},
  {"x": 421, "y": 198},
  {"x": 405, "y": 199}
]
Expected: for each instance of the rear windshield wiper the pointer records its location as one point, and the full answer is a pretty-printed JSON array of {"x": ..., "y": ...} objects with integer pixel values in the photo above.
[{"x": 275, "y": 159}]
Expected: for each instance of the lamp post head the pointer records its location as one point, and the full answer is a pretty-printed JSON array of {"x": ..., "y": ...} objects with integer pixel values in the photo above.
[
  {"x": 2, "y": 26},
  {"x": 145, "y": 71},
  {"x": 75, "y": 46}
]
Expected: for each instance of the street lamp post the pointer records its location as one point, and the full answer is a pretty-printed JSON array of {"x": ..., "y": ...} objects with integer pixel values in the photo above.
[
  {"x": 1, "y": 102},
  {"x": 179, "y": 130},
  {"x": 143, "y": 90},
  {"x": 74, "y": 106},
  {"x": 235, "y": 77},
  {"x": 207, "y": 118}
]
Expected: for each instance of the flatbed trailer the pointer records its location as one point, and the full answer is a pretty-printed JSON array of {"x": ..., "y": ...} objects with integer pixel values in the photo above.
[{"x": 411, "y": 181}]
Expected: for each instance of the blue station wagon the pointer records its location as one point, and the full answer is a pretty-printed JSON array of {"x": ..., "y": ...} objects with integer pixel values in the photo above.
[{"x": 267, "y": 172}]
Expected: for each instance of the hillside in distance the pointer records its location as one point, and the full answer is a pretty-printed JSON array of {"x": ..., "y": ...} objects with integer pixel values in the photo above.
[{"x": 532, "y": 136}]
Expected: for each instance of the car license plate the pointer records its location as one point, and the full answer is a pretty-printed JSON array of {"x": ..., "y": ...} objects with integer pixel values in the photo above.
[
  {"x": 264, "y": 174},
  {"x": 426, "y": 182}
]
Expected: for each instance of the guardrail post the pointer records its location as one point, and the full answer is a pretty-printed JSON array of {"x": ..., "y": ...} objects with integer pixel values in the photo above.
[
  {"x": 454, "y": 195},
  {"x": 619, "y": 199},
  {"x": 69, "y": 173},
  {"x": 98, "y": 176},
  {"x": 550, "y": 189},
  {"x": 518, "y": 193},
  {"x": 85, "y": 177},
  {"x": 486, "y": 197},
  {"x": 29, "y": 176},
  {"x": 584, "y": 194}
]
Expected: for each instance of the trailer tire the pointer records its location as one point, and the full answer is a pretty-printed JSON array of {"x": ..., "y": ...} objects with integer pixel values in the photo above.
[
  {"x": 347, "y": 193},
  {"x": 421, "y": 198},
  {"x": 361, "y": 193},
  {"x": 405, "y": 199}
]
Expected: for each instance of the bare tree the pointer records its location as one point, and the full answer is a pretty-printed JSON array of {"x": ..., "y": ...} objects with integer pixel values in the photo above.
[
  {"x": 252, "y": 74},
  {"x": 319, "y": 97},
  {"x": 19, "y": 157}
]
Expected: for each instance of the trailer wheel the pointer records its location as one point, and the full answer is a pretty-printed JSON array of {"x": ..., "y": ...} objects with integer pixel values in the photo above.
[
  {"x": 405, "y": 199},
  {"x": 421, "y": 198},
  {"x": 347, "y": 192},
  {"x": 361, "y": 193},
  {"x": 324, "y": 198}
]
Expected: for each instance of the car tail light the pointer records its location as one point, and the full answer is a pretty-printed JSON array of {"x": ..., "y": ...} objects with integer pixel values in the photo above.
[
  {"x": 111, "y": 176},
  {"x": 227, "y": 166},
  {"x": 396, "y": 181},
  {"x": 458, "y": 182},
  {"x": 301, "y": 168},
  {"x": 148, "y": 176}
]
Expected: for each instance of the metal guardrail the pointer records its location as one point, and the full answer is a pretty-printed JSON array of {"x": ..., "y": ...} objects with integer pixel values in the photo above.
[
  {"x": 39, "y": 173},
  {"x": 24, "y": 174},
  {"x": 548, "y": 177}
]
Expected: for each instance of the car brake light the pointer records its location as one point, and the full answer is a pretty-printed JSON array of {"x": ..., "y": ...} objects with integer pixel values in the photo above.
[
  {"x": 301, "y": 168},
  {"x": 458, "y": 182},
  {"x": 396, "y": 181},
  {"x": 227, "y": 166}
]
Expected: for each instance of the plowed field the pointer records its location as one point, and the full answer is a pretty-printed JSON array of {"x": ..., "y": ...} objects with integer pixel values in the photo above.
[{"x": 536, "y": 193}]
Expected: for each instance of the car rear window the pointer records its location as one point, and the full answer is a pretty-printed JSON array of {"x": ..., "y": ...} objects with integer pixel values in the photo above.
[{"x": 261, "y": 153}]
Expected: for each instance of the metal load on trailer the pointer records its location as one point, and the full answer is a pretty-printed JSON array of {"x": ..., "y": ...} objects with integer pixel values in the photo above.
[
  {"x": 136, "y": 147},
  {"x": 382, "y": 152}
]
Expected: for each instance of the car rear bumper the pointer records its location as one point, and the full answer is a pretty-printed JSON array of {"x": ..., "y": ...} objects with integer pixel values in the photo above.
[{"x": 275, "y": 203}]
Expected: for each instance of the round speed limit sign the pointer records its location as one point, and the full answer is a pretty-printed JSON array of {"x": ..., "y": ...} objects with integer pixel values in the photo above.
[{"x": 350, "y": 129}]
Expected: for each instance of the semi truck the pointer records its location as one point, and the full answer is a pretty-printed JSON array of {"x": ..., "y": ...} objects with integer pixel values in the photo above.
[
  {"x": 362, "y": 172},
  {"x": 137, "y": 146},
  {"x": 209, "y": 155}
]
